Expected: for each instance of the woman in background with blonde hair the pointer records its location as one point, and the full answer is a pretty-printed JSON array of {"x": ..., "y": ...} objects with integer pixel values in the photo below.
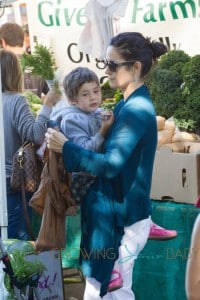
[{"x": 19, "y": 125}]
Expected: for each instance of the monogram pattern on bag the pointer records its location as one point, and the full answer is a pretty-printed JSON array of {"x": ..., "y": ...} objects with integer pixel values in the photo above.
[{"x": 28, "y": 161}]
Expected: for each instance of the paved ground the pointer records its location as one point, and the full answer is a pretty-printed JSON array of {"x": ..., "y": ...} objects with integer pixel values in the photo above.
[{"x": 73, "y": 285}]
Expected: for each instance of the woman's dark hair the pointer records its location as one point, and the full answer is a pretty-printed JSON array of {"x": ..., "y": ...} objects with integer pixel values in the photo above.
[{"x": 134, "y": 46}]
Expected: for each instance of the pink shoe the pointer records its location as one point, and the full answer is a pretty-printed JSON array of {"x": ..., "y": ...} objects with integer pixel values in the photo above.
[
  {"x": 197, "y": 204},
  {"x": 159, "y": 233},
  {"x": 116, "y": 281}
]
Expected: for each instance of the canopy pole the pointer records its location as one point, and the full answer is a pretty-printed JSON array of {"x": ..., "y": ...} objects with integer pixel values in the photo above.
[{"x": 3, "y": 196}]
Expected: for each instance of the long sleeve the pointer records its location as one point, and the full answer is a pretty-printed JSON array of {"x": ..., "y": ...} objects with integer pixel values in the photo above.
[
  {"x": 119, "y": 196},
  {"x": 82, "y": 129},
  {"x": 119, "y": 146},
  {"x": 27, "y": 126},
  {"x": 21, "y": 125},
  {"x": 128, "y": 152}
]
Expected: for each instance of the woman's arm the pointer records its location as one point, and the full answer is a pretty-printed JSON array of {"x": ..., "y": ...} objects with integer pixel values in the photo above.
[
  {"x": 76, "y": 127},
  {"x": 30, "y": 128},
  {"x": 79, "y": 129},
  {"x": 120, "y": 144},
  {"x": 193, "y": 264}
]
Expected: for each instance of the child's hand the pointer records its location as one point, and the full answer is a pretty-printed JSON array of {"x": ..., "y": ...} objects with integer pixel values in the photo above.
[{"x": 107, "y": 121}]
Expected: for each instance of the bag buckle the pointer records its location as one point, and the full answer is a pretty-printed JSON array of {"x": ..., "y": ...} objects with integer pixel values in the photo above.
[{"x": 20, "y": 158}]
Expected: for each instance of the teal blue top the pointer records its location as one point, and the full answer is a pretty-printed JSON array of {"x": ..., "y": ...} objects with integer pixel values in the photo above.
[{"x": 120, "y": 194}]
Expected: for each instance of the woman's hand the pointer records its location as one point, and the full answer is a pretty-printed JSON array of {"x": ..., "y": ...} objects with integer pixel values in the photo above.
[
  {"x": 52, "y": 97},
  {"x": 55, "y": 140}
]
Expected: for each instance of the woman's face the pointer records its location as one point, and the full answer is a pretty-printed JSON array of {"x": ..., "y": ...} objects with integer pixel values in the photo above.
[{"x": 123, "y": 76}]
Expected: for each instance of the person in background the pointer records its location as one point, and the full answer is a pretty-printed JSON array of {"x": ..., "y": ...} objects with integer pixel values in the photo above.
[
  {"x": 27, "y": 44},
  {"x": 19, "y": 125},
  {"x": 116, "y": 211},
  {"x": 12, "y": 39},
  {"x": 192, "y": 281}
]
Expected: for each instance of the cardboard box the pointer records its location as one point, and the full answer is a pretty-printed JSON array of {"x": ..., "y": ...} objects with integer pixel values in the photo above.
[{"x": 176, "y": 176}]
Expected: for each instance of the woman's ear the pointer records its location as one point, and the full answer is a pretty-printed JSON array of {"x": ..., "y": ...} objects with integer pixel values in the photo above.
[
  {"x": 137, "y": 71},
  {"x": 138, "y": 65}
]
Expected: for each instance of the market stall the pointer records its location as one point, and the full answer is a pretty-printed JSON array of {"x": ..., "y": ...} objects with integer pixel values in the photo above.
[{"x": 58, "y": 24}]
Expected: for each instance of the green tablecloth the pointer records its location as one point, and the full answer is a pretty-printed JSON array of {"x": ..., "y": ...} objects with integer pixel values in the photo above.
[
  {"x": 159, "y": 272},
  {"x": 70, "y": 255}
]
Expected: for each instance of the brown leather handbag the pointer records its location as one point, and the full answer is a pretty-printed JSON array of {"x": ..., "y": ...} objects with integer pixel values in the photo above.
[
  {"x": 26, "y": 168},
  {"x": 26, "y": 176}
]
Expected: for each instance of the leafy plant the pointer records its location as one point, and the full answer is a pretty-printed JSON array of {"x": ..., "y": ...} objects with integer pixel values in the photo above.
[
  {"x": 175, "y": 90},
  {"x": 188, "y": 125},
  {"x": 22, "y": 269},
  {"x": 110, "y": 96},
  {"x": 41, "y": 62},
  {"x": 174, "y": 59},
  {"x": 34, "y": 101},
  {"x": 190, "y": 110},
  {"x": 164, "y": 86},
  {"x": 108, "y": 104},
  {"x": 107, "y": 91},
  {"x": 191, "y": 75}
]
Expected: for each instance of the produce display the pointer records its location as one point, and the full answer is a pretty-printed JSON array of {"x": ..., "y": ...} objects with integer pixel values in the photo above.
[{"x": 179, "y": 141}]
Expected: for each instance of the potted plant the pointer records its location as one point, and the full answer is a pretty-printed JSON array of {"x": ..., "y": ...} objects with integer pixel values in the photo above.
[{"x": 25, "y": 273}]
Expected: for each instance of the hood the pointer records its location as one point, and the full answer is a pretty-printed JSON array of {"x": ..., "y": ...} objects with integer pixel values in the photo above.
[{"x": 58, "y": 113}]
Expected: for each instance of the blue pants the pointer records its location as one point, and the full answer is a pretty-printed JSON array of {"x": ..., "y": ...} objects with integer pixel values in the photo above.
[{"x": 16, "y": 221}]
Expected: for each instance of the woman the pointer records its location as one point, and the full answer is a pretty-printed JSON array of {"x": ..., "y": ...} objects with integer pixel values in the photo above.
[
  {"x": 116, "y": 210},
  {"x": 19, "y": 125},
  {"x": 193, "y": 264}
]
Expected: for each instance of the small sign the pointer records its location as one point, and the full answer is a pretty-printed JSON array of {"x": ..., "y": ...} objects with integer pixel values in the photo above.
[{"x": 50, "y": 285}]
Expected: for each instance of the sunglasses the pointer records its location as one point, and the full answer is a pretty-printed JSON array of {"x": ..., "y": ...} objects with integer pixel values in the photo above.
[{"x": 113, "y": 66}]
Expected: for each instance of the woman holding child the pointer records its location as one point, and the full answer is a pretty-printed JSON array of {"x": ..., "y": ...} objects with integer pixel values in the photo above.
[{"x": 116, "y": 211}]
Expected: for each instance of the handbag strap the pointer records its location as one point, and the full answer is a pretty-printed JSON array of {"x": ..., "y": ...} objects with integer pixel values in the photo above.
[{"x": 24, "y": 205}]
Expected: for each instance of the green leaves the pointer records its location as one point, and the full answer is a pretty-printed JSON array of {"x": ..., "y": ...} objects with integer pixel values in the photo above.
[
  {"x": 174, "y": 86},
  {"x": 110, "y": 96},
  {"x": 34, "y": 102},
  {"x": 41, "y": 62},
  {"x": 22, "y": 269}
]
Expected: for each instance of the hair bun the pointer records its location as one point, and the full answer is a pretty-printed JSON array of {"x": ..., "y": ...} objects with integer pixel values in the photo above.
[{"x": 158, "y": 49}]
